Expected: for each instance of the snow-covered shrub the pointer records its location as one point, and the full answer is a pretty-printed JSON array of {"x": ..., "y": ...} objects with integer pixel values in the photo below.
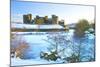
[
  {"x": 53, "y": 56},
  {"x": 43, "y": 55},
  {"x": 73, "y": 58},
  {"x": 58, "y": 44}
]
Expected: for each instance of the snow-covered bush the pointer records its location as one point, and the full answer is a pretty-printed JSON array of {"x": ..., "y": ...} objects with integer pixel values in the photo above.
[
  {"x": 53, "y": 56},
  {"x": 73, "y": 58}
]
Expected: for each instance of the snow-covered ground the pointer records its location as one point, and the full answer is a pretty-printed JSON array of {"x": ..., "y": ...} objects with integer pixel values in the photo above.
[
  {"x": 18, "y": 62},
  {"x": 34, "y": 26},
  {"x": 37, "y": 44}
]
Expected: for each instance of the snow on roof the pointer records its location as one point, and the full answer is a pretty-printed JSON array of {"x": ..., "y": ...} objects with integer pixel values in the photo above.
[{"x": 33, "y": 26}]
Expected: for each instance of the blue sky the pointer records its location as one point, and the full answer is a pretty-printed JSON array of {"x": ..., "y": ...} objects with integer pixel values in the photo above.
[{"x": 69, "y": 13}]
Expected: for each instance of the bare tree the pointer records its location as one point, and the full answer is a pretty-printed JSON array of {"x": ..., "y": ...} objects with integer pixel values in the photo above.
[{"x": 18, "y": 46}]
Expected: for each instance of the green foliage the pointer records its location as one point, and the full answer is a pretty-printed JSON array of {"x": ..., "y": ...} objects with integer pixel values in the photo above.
[
  {"x": 48, "y": 57},
  {"x": 73, "y": 58},
  {"x": 93, "y": 25},
  {"x": 81, "y": 27}
]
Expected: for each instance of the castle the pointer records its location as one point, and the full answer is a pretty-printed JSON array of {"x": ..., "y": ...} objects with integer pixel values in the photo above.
[{"x": 27, "y": 19}]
